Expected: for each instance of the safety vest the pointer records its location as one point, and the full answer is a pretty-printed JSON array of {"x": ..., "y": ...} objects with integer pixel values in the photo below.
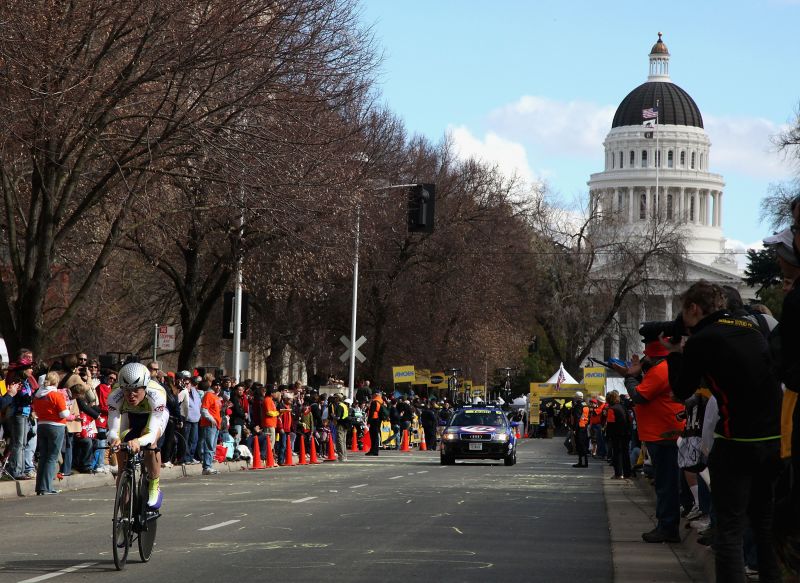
[
  {"x": 584, "y": 420},
  {"x": 375, "y": 408},
  {"x": 344, "y": 411}
]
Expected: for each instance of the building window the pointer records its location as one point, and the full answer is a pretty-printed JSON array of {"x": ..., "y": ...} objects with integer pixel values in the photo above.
[
  {"x": 693, "y": 160},
  {"x": 691, "y": 208},
  {"x": 669, "y": 206},
  {"x": 643, "y": 206},
  {"x": 613, "y": 158},
  {"x": 620, "y": 160},
  {"x": 623, "y": 347},
  {"x": 632, "y": 159},
  {"x": 670, "y": 161},
  {"x": 619, "y": 200},
  {"x": 644, "y": 158},
  {"x": 658, "y": 158},
  {"x": 683, "y": 159}
]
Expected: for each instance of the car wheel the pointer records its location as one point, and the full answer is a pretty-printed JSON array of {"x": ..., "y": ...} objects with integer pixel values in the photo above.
[
  {"x": 510, "y": 460},
  {"x": 447, "y": 460}
]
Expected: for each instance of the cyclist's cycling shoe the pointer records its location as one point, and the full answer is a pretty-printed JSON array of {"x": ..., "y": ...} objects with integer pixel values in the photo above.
[{"x": 154, "y": 502}]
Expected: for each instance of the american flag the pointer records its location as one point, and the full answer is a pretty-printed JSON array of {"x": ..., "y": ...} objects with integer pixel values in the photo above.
[
  {"x": 561, "y": 377},
  {"x": 651, "y": 113}
]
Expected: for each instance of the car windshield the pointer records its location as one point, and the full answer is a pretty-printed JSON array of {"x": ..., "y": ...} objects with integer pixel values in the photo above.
[{"x": 491, "y": 418}]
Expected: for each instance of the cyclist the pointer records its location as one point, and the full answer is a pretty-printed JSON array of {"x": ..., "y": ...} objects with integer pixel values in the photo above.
[{"x": 137, "y": 415}]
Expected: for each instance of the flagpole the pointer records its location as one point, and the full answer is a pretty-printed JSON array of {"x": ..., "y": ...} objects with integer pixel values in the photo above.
[{"x": 658, "y": 164}]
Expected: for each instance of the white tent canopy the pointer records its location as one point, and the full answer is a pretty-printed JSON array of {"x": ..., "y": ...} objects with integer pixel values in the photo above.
[{"x": 566, "y": 379}]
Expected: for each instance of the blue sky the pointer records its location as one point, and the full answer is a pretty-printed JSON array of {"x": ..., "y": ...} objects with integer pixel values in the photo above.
[{"x": 533, "y": 85}]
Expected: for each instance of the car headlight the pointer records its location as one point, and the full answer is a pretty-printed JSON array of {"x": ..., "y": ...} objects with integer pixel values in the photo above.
[
  {"x": 451, "y": 436},
  {"x": 501, "y": 437}
]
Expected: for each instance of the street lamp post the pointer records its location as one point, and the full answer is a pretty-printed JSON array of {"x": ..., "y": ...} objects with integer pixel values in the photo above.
[{"x": 351, "y": 387}]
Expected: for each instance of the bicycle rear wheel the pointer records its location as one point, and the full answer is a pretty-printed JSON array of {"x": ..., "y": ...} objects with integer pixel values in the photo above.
[
  {"x": 147, "y": 522},
  {"x": 122, "y": 521}
]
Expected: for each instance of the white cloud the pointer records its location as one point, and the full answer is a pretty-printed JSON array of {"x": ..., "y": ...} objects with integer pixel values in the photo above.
[
  {"x": 510, "y": 157},
  {"x": 744, "y": 145},
  {"x": 572, "y": 127}
]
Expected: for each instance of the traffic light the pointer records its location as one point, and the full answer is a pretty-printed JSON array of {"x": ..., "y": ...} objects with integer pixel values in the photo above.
[{"x": 421, "y": 204}]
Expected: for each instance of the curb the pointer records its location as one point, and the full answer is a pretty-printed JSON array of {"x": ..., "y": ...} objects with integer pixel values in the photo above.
[{"x": 24, "y": 488}]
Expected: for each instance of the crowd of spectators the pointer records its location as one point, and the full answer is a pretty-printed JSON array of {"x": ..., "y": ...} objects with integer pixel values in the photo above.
[
  {"x": 711, "y": 417},
  {"x": 54, "y": 419}
]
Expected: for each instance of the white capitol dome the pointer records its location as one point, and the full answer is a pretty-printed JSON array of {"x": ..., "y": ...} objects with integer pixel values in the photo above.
[{"x": 687, "y": 192}]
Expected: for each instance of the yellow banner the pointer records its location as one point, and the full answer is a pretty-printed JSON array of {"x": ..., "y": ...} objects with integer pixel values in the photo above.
[
  {"x": 438, "y": 380},
  {"x": 594, "y": 379},
  {"x": 423, "y": 376},
  {"x": 539, "y": 391},
  {"x": 403, "y": 374}
]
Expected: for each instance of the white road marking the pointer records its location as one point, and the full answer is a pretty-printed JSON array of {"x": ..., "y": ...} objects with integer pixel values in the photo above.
[
  {"x": 220, "y": 525},
  {"x": 358, "y": 486},
  {"x": 395, "y": 477},
  {"x": 423, "y": 472},
  {"x": 306, "y": 499},
  {"x": 204, "y": 515},
  {"x": 58, "y": 573},
  {"x": 458, "y": 531}
]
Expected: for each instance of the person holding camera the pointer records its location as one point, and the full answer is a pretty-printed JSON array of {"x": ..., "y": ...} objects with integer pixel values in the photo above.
[
  {"x": 660, "y": 421},
  {"x": 732, "y": 355}
]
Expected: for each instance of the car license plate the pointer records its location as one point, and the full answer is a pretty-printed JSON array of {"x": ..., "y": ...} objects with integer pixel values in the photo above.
[{"x": 476, "y": 447}]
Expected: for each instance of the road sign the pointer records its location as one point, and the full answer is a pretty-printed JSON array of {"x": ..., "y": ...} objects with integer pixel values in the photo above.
[
  {"x": 359, "y": 343},
  {"x": 166, "y": 337}
]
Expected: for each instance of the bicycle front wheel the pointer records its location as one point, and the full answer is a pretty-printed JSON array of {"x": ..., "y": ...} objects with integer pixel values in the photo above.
[
  {"x": 147, "y": 522},
  {"x": 122, "y": 522}
]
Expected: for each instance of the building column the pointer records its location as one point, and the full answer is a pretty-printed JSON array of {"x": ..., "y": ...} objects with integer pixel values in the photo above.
[
  {"x": 668, "y": 306},
  {"x": 719, "y": 214},
  {"x": 631, "y": 204},
  {"x": 696, "y": 204},
  {"x": 681, "y": 205}
]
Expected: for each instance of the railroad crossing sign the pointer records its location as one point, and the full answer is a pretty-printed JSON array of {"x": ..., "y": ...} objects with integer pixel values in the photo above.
[{"x": 360, "y": 342}]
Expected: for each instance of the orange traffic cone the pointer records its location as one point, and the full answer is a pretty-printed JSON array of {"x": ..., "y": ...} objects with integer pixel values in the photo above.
[
  {"x": 354, "y": 445},
  {"x": 422, "y": 446},
  {"x": 303, "y": 450},
  {"x": 314, "y": 459},
  {"x": 404, "y": 446},
  {"x": 288, "y": 461},
  {"x": 270, "y": 457},
  {"x": 367, "y": 441},
  {"x": 518, "y": 437},
  {"x": 257, "y": 464},
  {"x": 331, "y": 452}
]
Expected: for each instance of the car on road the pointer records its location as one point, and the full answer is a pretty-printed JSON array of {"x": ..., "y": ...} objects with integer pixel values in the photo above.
[{"x": 479, "y": 432}]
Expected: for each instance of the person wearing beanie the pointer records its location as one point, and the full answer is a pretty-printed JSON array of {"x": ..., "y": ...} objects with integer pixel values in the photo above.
[{"x": 660, "y": 423}]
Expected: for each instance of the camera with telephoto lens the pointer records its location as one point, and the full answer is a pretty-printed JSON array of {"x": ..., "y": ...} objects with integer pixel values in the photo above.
[{"x": 672, "y": 329}]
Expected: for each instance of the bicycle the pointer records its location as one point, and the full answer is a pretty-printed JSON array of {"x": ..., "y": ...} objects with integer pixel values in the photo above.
[
  {"x": 505, "y": 390},
  {"x": 132, "y": 517}
]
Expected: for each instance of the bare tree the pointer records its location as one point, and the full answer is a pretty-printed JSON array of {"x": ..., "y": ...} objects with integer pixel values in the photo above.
[
  {"x": 586, "y": 268},
  {"x": 102, "y": 101}
]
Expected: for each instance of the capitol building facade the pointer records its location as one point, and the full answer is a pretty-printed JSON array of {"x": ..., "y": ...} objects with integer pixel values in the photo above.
[{"x": 660, "y": 172}]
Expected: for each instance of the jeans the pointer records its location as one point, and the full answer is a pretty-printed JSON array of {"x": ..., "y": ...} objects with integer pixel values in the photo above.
[
  {"x": 208, "y": 442},
  {"x": 30, "y": 448},
  {"x": 664, "y": 455},
  {"x": 19, "y": 439},
  {"x": 190, "y": 435},
  {"x": 743, "y": 478},
  {"x": 270, "y": 433},
  {"x": 99, "y": 453},
  {"x": 50, "y": 438},
  {"x": 600, "y": 440},
  {"x": 66, "y": 451},
  {"x": 237, "y": 439},
  {"x": 341, "y": 442},
  {"x": 83, "y": 452}
]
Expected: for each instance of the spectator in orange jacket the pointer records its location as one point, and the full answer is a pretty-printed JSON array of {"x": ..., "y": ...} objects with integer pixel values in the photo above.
[{"x": 660, "y": 421}]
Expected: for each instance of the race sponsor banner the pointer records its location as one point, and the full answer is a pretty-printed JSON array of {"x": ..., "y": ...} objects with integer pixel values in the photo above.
[
  {"x": 403, "y": 374},
  {"x": 594, "y": 379},
  {"x": 438, "y": 380},
  {"x": 422, "y": 376}
]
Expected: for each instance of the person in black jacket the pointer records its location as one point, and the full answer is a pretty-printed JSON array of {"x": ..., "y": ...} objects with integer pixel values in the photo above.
[
  {"x": 732, "y": 355},
  {"x": 429, "y": 421},
  {"x": 618, "y": 434},
  {"x": 239, "y": 408}
]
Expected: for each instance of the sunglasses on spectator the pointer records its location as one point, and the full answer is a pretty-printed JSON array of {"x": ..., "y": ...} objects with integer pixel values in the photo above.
[{"x": 82, "y": 359}]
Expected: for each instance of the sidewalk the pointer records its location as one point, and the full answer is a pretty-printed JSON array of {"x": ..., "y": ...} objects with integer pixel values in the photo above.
[
  {"x": 630, "y": 505},
  {"x": 80, "y": 481}
]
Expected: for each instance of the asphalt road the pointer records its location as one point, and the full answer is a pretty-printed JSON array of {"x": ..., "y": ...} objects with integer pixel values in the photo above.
[{"x": 398, "y": 517}]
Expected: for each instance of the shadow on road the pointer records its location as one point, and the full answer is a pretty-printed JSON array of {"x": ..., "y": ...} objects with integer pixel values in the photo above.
[{"x": 36, "y": 567}]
